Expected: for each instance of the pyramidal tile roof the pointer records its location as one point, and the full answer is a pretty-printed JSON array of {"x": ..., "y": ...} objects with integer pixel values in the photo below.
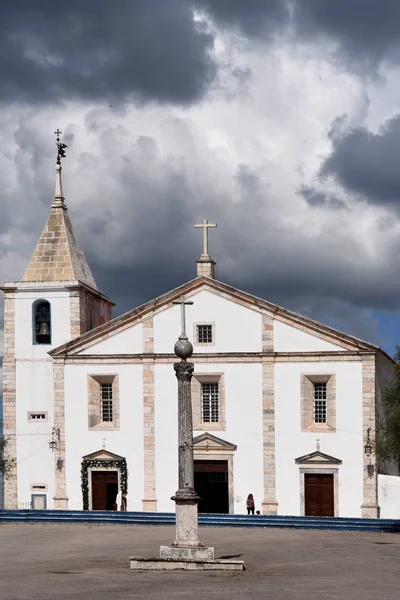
[{"x": 58, "y": 256}]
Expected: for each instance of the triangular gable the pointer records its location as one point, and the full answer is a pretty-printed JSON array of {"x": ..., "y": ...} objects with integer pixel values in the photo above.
[
  {"x": 208, "y": 442},
  {"x": 102, "y": 455},
  {"x": 318, "y": 458},
  {"x": 345, "y": 341}
]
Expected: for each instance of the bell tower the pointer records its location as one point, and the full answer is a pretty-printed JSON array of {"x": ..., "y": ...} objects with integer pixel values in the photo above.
[{"x": 56, "y": 300}]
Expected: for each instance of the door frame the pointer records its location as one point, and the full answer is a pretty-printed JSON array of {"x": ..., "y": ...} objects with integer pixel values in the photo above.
[{"x": 315, "y": 471}]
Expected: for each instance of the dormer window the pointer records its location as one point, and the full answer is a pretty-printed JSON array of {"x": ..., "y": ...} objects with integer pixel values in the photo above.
[{"x": 42, "y": 322}]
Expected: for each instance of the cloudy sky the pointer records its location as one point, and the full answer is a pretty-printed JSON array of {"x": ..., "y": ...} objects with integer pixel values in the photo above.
[{"x": 278, "y": 119}]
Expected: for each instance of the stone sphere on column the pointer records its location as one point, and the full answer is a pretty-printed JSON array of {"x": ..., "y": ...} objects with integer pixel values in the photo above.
[{"x": 183, "y": 348}]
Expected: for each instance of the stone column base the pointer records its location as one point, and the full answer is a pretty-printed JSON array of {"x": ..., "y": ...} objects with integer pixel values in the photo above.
[
  {"x": 201, "y": 553},
  {"x": 149, "y": 505},
  {"x": 370, "y": 511},
  {"x": 60, "y": 502},
  {"x": 269, "y": 508}
]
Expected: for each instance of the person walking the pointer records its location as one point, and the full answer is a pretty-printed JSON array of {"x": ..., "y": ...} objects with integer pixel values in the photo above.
[{"x": 250, "y": 504}]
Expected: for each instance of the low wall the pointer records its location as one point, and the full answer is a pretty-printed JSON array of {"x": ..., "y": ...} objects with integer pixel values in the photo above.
[{"x": 389, "y": 496}]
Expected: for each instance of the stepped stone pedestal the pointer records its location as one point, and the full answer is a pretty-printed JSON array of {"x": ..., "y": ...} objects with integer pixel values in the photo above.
[{"x": 186, "y": 552}]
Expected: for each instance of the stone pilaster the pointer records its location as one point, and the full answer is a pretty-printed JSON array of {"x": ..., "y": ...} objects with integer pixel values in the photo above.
[
  {"x": 75, "y": 314},
  {"x": 9, "y": 398},
  {"x": 148, "y": 336},
  {"x": 267, "y": 333},
  {"x": 149, "y": 500},
  {"x": 60, "y": 495},
  {"x": 369, "y": 507},
  {"x": 269, "y": 504}
]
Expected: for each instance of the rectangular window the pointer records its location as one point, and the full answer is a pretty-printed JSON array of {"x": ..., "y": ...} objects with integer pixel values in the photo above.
[
  {"x": 106, "y": 407},
  {"x": 204, "y": 334},
  {"x": 37, "y": 416},
  {"x": 210, "y": 402},
  {"x": 319, "y": 402}
]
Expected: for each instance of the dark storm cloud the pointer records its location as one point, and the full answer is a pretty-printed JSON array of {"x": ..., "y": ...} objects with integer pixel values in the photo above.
[
  {"x": 97, "y": 49},
  {"x": 365, "y": 31},
  {"x": 252, "y": 17},
  {"x": 318, "y": 199},
  {"x": 366, "y": 163}
]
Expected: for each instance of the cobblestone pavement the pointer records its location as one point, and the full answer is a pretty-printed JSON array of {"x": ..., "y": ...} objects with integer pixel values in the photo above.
[{"x": 85, "y": 562}]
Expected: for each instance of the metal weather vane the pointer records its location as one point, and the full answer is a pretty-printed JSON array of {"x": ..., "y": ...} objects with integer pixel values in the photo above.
[{"x": 60, "y": 146}]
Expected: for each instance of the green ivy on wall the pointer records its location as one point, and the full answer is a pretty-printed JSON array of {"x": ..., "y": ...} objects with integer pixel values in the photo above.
[{"x": 102, "y": 464}]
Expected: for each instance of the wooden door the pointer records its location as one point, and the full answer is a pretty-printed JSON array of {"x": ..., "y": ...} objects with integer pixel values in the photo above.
[
  {"x": 104, "y": 489},
  {"x": 319, "y": 496}
]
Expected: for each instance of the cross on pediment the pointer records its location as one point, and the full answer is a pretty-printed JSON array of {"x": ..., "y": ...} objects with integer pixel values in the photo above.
[{"x": 205, "y": 225}]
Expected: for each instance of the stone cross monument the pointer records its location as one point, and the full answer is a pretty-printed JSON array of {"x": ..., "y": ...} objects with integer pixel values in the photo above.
[
  {"x": 186, "y": 551},
  {"x": 187, "y": 544}
]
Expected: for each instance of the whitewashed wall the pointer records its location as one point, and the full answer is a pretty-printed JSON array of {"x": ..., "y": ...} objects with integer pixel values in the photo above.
[
  {"x": 35, "y": 461},
  {"x": 290, "y": 339},
  {"x": 389, "y": 496},
  {"x": 346, "y": 444},
  {"x": 243, "y": 394},
  {"x": 127, "y": 442},
  {"x": 34, "y": 390},
  {"x": 128, "y": 341},
  {"x": 238, "y": 328}
]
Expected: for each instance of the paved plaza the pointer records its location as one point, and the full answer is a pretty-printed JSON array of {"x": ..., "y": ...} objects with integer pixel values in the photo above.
[{"x": 85, "y": 562}]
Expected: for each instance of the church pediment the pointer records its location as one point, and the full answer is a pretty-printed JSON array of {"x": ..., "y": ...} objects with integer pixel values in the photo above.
[
  {"x": 118, "y": 325},
  {"x": 102, "y": 455},
  {"x": 206, "y": 442},
  {"x": 318, "y": 458}
]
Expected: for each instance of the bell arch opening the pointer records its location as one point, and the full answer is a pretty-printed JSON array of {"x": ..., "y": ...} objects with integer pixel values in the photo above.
[{"x": 41, "y": 316}]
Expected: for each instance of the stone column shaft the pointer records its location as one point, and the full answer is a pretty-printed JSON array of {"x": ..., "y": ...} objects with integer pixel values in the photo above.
[{"x": 184, "y": 372}]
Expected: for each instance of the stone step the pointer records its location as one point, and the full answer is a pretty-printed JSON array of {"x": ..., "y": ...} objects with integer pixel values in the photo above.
[{"x": 206, "y": 520}]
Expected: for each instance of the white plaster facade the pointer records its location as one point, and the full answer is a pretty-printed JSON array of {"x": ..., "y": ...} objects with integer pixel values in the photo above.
[
  {"x": 260, "y": 352},
  {"x": 117, "y": 349}
]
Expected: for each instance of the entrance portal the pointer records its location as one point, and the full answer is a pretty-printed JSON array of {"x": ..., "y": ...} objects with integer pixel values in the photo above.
[
  {"x": 104, "y": 489},
  {"x": 319, "y": 496},
  {"x": 211, "y": 484}
]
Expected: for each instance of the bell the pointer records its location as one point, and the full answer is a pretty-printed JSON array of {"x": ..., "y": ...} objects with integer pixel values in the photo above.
[{"x": 44, "y": 329}]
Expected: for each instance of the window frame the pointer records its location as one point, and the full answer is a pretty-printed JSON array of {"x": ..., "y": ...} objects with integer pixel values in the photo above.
[
  {"x": 35, "y": 419},
  {"x": 197, "y": 380},
  {"x": 196, "y": 333},
  {"x": 95, "y": 422},
  {"x": 308, "y": 422}
]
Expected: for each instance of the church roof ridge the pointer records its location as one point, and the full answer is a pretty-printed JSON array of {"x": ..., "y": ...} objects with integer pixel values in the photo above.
[
  {"x": 58, "y": 255},
  {"x": 193, "y": 285}
]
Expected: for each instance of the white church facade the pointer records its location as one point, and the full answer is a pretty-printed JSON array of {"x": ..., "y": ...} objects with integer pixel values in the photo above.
[{"x": 283, "y": 406}]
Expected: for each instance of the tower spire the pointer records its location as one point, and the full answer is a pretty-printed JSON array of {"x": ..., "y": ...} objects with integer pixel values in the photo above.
[
  {"x": 58, "y": 256},
  {"x": 58, "y": 194}
]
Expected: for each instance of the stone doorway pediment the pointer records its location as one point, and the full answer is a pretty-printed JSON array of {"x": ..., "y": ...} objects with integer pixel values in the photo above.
[
  {"x": 102, "y": 455},
  {"x": 206, "y": 442},
  {"x": 317, "y": 458}
]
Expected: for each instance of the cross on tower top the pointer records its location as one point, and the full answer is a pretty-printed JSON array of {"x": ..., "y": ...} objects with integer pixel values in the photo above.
[
  {"x": 205, "y": 225},
  {"x": 60, "y": 146}
]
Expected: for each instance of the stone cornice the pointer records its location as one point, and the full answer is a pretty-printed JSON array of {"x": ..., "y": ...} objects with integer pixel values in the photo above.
[
  {"x": 14, "y": 286},
  {"x": 215, "y": 357}
]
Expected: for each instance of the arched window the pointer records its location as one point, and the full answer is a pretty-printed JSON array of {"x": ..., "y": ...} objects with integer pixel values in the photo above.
[{"x": 41, "y": 322}]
